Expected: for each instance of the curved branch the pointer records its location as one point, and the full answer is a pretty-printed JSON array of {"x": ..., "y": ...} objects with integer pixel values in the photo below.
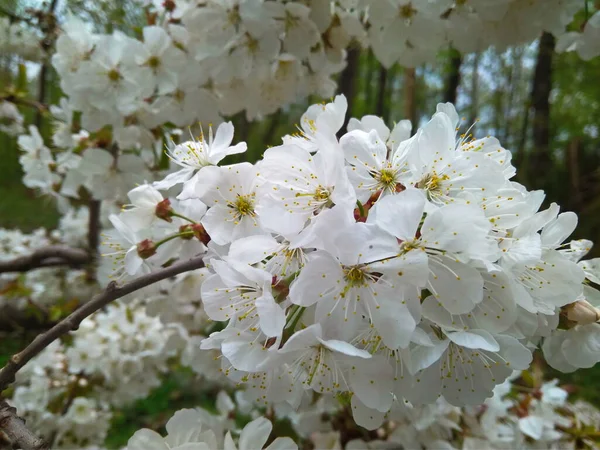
[
  {"x": 14, "y": 427},
  {"x": 53, "y": 255},
  {"x": 71, "y": 322}
]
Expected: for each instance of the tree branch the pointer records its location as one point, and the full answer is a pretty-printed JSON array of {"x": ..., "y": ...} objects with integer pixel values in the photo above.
[
  {"x": 53, "y": 255},
  {"x": 94, "y": 226},
  {"x": 14, "y": 427},
  {"x": 71, "y": 322}
]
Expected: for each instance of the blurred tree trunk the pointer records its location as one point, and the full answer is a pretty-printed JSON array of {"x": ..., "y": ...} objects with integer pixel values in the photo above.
[
  {"x": 453, "y": 77},
  {"x": 48, "y": 27},
  {"x": 369, "y": 85},
  {"x": 381, "y": 87},
  {"x": 519, "y": 156},
  {"x": 573, "y": 156},
  {"x": 475, "y": 89},
  {"x": 501, "y": 87},
  {"x": 347, "y": 80},
  {"x": 514, "y": 81},
  {"x": 410, "y": 95},
  {"x": 540, "y": 161}
]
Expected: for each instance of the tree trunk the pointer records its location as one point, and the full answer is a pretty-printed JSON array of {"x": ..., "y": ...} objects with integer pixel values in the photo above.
[
  {"x": 519, "y": 157},
  {"x": 540, "y": 161},
  {"x": 453, "y": 77},
  {"x": 347, "y": 80},
  {"x": 381, "y": 91},
  {"x": 475, "y": 89},
  {"x": 516, "y": 69},
  {"x": 410, "y": 95},
  {"x": 573, "y": 154},
  {"x": 369, "y": 88}
]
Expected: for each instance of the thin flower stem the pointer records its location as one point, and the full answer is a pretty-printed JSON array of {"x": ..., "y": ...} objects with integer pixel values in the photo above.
[
  {"x": 173, "y": 236},
  {"x": 181, "y": 216}
]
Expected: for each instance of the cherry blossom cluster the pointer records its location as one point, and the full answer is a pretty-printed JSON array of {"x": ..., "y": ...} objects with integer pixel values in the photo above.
[
  {"x": 21, "y": 40},
  {"x": 198, "y": 61},
  {"x": 189, "y": 428},
  {"x": 412, "y": 32},
  {"x": 586, "y": 43},
  {"x": 515, "y": 417},
  {"x": 69, "y": 391},
  {"x": 59, "y": 402},
  {"x": 45, "y": 287},
  {"x": 381, "y": 268}
]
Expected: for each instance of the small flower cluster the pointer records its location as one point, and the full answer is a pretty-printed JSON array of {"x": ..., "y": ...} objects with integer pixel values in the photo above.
[
  {"x": 45, "y": 287},
  {"x": 80, "y": 165},
  {"x": 382, "y": 268},
  {"x": 126, "y": 349},
  {"x": 67, "y": 393},
  {"x": 17, "y": 39},
  {"x": 59, "y": 403},
  {"x": 198, "y": 61},
  {"x": 194, "y": 429},
  {"x": 516, "y": 417},
  {"x": 412, "y": 32}
]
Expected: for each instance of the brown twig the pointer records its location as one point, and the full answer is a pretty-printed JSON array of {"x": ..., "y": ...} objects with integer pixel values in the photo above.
[
  {"x": 53, "y": 255},
  {"x": 18, "y": 100},
  {"x": 14, "y": 427},
  {"x": 71, "y": 323}
]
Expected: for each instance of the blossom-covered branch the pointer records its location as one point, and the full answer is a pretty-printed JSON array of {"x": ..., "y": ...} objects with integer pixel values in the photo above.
[
  {"x": 53, "y": 255},
  {"x": 70, "y": 323},
  {"x": 15, "y": 429}
]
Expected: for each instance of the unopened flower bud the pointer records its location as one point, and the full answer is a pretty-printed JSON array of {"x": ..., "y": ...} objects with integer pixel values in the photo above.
[
  {"x": 200, "y": 233},
  {"x": 164, "y": 210},
  {"x": 169, "y": 5},
  {"x": 582, "y": 312},
  {"x": 146, "y": 249}
]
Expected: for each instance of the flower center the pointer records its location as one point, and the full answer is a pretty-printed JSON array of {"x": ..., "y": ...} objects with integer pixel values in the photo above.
[
  {"x": 407, "y": 11},
  {"x": 114, "y": 75},
  {"x": 354, "y": 276},
  {"x": 233, "y": 16},
  {"x": 153, "y": 62},
  {"x": 407, "y": 246},
  {"x": 432, "y": 183},
  {"x": 321, "y": 194},
  {"x": 244, "y": 205},
  {"x": 387, "y": 178}
]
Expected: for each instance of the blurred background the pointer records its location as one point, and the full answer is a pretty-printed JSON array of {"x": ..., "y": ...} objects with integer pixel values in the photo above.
[{"x": 543, "y": 106}]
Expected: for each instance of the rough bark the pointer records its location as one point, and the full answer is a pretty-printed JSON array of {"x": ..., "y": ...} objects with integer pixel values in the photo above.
[{"x": 14, "y": 428}]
